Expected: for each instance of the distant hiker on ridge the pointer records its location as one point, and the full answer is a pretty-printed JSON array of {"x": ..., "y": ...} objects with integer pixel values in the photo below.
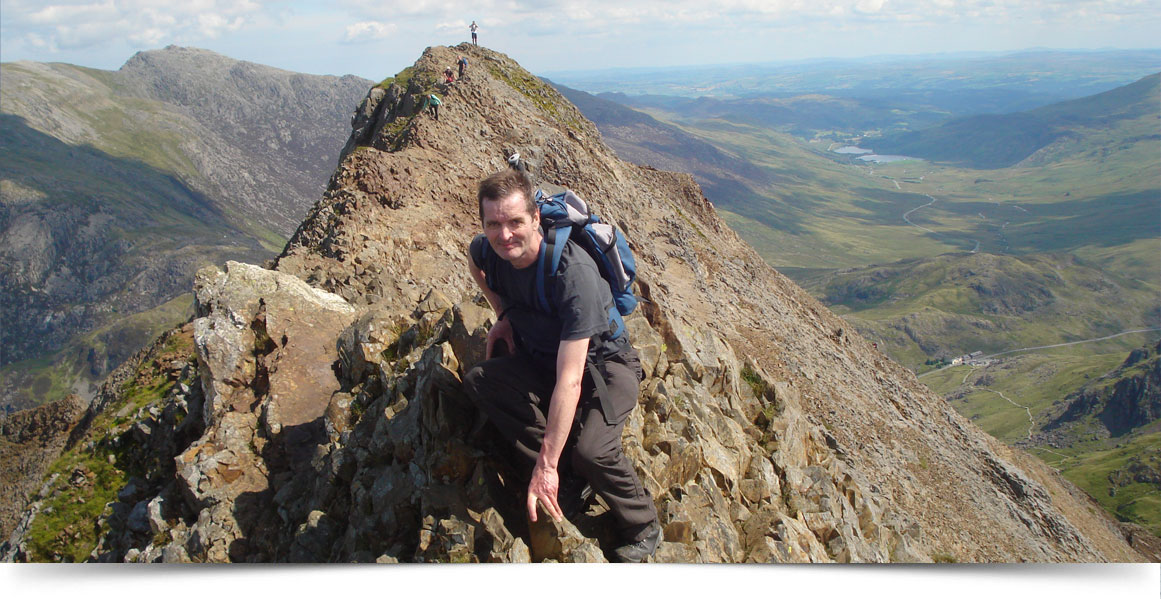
[
  {"x": 462, "y": 63},
  {"x": 561, "y": 377},
  {"x": 517, "y": 164},
  {"x": 432, "y": 103},
  {"x": 474, "y": 27}
]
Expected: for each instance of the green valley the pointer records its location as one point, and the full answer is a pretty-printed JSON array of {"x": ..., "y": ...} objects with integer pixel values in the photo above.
[{"x": 1029, "y": 229}]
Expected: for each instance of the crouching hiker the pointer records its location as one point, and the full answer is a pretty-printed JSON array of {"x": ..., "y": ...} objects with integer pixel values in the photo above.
[{"x": 558, "y": 383}]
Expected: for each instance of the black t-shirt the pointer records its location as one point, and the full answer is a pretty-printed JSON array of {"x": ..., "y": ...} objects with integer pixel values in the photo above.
[{"x": 580, "y": 299}]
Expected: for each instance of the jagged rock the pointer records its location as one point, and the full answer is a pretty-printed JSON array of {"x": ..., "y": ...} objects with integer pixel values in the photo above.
[
  {"x": 561, "y": 542},
  {"x": 174, "y": 554},
  {"x": 363, "y": 344},
  {"x": 468, "y": 333},
  {"x": 138, "y": 520},
  {"x": 157, "y": 523},
  {"x": 313, "y": 539}
]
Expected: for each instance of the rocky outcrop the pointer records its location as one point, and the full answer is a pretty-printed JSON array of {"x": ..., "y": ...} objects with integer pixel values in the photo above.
[
  {"x": 766, "y": 430},
  {"x": 265, "y": 346},
  {"x": 29, "y": 442},
  {"x": 390, "y": 461},
  {"x": 1125, "y": 399}
]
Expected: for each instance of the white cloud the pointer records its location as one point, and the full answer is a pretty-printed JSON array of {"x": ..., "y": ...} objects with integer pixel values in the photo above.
[
  {"x": 77, "y": 23},
  {"x": 149, "y": 37},
  {"x": 71, "y": 24},
  {"x": 869, "y": 6},
  {"x": 366, "y": 31},
  {"x": 72, "y": 13},
  {"x": 318, "y": 34},
  {"x": 612, "y": 15}
]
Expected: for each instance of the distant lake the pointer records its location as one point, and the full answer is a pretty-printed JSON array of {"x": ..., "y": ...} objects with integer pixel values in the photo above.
[
  {"x": 886, "y": 159},
  {"x": 868, "y": 155}
]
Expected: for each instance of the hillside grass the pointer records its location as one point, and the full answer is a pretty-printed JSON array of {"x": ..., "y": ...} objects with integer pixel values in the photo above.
[
  {"x": 1093, "y": 467},
  {"x": 76, "y": 511},
  {"x": 67, "y": 528},
  {"x": 50, "y": 378}
]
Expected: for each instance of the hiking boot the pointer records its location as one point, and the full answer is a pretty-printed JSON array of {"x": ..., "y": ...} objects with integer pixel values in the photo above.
[
  {"x": 638, "y": 551},
  {"x": 574, "y": 497}
]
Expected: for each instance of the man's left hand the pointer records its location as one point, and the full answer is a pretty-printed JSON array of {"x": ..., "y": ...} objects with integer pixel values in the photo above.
[{"x": 544, "y": 487}]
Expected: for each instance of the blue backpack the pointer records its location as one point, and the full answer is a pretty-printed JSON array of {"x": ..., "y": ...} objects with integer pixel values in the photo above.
[{"x": 566, "y": 217}]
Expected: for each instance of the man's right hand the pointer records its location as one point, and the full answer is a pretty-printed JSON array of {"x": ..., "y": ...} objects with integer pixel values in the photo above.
[{"x": 501, "y": 331}]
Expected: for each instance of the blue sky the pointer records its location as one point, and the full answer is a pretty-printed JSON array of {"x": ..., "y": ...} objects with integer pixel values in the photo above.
[{"x": 374, "y": 39}]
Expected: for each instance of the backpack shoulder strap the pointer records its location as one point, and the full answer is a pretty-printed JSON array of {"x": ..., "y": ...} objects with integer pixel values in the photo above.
[{"x": 548, "y": 263}]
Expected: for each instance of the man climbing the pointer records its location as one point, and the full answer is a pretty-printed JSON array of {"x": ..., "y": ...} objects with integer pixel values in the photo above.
[
  {"x": 537, "y": 384},
  {"x": 463, "y": 64},
  {"x": 473, "y": 28}
]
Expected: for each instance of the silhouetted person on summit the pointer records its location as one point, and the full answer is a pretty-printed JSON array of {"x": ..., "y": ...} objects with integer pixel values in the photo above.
[
  {"x": 473, "y": 28},
  {"x": 559, "y": 385}
]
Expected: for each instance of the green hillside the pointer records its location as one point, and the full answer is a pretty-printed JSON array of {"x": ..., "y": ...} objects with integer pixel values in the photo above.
[
  {"x": 1090, "y": 412},
  {"x": 999, "y": 141},
  {"x": 951, "y": 305}
]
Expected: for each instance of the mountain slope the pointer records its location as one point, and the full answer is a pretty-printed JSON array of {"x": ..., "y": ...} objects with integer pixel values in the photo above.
[
  {"x": 1058, "y": 249},
  {"x": 999, "y": 141},
  {"x": 117, "y": 186},
  {"x": 767, "y": 431}
]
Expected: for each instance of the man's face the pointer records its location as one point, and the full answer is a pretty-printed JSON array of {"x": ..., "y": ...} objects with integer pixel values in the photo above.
[{"x": 512, "y": 232}]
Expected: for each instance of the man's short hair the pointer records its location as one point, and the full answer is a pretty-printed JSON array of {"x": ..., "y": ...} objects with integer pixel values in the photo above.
[{"x": 502, "y": 184}]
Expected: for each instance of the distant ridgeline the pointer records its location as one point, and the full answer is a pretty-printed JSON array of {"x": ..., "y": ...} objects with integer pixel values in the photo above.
[
  {"x": 117, "y": 186},
  {"x": 999, "y": 141}
]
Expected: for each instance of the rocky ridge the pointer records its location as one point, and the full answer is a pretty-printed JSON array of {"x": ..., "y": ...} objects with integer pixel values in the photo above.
[{"x": 323, "y": 417}]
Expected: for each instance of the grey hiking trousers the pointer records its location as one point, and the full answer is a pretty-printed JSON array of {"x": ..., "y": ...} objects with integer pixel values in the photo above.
[{"x": 514, "y": 391}]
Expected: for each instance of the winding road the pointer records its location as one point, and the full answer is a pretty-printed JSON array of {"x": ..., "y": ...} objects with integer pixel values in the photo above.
[
  {"x": 916, "y": 209},
  {"x": 1090, "y": 340},
  {"x": 975, "y": 249}
]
